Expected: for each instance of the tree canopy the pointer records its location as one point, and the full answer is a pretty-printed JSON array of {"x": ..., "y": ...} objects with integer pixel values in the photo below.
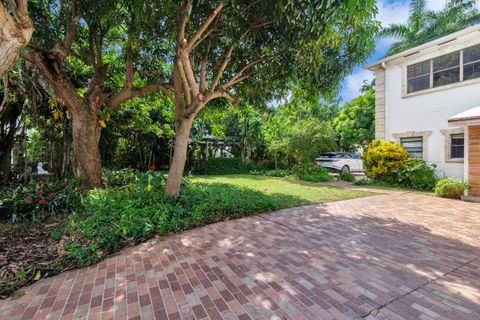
[
  {"x": 355, "y": 123},
  {"x": 424, "y": 25},
  {"x": 95, "y": 58}
]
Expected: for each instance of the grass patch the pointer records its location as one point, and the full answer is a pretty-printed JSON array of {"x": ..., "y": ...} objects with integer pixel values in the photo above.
[
  {"x": 295, "y": 192},
  {"x": 133, "y": 209},
  {"x": 367, "y": 183}
]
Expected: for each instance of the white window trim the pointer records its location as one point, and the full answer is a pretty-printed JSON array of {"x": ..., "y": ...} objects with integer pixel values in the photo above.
[
  {"x": 448, "y": 141},
  {"x": 410, "y": 134}
]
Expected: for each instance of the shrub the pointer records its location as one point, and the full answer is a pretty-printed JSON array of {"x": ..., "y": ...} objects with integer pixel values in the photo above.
[
  {"x": 450, "y": 188},
  {"x": 382, "y": 158},
  {"x": 280, "y": 173},
  {"x": 219, "y": 166},
  {"x": 38, "y": 200},
  {"x": 416, "y": 174},
  {"x": 346, "y": 176},
  {"x": 311, "y": 172},
  {"x": 115, "y": 217},
  {"x": 118, "y": 178}
]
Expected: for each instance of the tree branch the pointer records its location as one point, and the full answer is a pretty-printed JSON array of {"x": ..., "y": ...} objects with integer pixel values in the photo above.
[
  {"x": 221, "y": 94},
  {"x": 234, "y": 79},
  {"x": 190, "y": 75},
  {"x": 203, "y": 75},
  {"x": 133, "y": 92},
  {"x": 221, "y": 22},
  {"x": 62, "y": 49},
  {"x": 183, "y": 22},
  {"x": 225, "y": 62},
  {"x": 184, "y": 82},
  {"x": 204, "y": 26}
]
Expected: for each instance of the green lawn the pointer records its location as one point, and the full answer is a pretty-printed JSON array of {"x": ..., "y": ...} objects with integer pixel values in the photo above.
[{"x": 292, "y": 192}]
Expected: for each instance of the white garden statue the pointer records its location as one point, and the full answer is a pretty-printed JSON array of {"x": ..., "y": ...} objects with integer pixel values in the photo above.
[{"x": 40, "y": 169}]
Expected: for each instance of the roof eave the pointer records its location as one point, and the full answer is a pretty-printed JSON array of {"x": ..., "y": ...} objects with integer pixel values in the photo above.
[{"x": 439, "y": 41}]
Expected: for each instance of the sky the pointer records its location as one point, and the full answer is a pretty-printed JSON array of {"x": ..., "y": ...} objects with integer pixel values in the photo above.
[{"x": 389, "y": 11}]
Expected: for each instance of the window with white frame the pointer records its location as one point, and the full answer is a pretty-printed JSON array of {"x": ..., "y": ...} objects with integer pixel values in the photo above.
[
  {"x": 450, "y": 68},
  {"x": 457, "y": 146},
  {"x": 413, "y": 145}
]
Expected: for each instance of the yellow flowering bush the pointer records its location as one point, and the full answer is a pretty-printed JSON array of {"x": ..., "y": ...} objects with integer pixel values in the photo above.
[{"x": 383, "y": 158}]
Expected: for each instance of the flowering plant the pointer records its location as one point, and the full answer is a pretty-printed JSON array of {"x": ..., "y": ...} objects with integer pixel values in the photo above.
[{"x": 37, "y": 200}]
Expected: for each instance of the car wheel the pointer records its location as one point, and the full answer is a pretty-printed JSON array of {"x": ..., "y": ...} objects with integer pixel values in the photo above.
[{"x": 345, "y": 169}]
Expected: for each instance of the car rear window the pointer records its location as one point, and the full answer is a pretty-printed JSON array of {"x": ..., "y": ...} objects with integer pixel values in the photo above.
[{"x": 330, "y": 155}]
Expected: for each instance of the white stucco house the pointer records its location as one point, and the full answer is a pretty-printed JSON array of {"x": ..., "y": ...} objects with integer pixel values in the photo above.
[{"x": 428, "y": 100}]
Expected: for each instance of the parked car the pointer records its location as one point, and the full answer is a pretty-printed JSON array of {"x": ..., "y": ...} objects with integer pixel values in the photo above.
[{"x": 341, "y": 161}]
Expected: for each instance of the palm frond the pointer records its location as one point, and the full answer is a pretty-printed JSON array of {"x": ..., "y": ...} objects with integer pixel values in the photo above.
[{"x": 395, "y": 31}]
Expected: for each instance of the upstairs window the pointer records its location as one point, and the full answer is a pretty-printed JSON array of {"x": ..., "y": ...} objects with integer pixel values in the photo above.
[
  {"x": 418, "y": 76},
  {"x": 471, "y": 63},
  {"x": 450, "y": 68},
  {"x": 457, "y": 146},
  {"x": 413, "y": 145},
  {"x": 446, "y": 69}
]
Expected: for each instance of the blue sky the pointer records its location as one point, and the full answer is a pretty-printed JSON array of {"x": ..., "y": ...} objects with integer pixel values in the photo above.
[{"x": 390, "y": 11}]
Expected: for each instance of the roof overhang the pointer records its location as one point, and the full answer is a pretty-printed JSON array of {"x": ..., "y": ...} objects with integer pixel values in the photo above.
[
  {"x": 424, "y": 47},
  {"x": 469, "y": 117}
]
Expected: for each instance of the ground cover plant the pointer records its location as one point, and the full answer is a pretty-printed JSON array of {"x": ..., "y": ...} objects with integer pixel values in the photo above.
[{"x": 132, "y": 209}]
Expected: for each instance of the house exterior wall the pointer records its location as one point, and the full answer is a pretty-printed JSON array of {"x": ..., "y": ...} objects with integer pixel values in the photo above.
[{"x": 424, "y": 113}]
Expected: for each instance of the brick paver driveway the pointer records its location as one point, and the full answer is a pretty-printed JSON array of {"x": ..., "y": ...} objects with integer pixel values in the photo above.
[{"x": 396, "y": 256}]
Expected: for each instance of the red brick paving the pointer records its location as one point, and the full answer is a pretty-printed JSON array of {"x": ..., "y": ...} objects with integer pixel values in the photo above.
[{"x": 395, "y": 256}]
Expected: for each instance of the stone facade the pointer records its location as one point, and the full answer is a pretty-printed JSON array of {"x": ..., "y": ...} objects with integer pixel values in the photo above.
[{"x": 380, "y": 104}]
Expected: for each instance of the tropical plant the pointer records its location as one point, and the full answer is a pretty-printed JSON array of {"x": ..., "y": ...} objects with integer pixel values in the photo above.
[
  {"x": 299, "y": 131},
  {"x": 451, "y": 188},
  {"x": 416, "y": 174},
  {"x": 355, "y": 123},
  {"x": 425, "y": 25},
  {"x": 311, "y": 172},
  {"x": 383, "y": 159}
]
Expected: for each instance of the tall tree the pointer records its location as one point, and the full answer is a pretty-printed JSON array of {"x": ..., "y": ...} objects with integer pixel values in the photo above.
[
  {"x": 16, "y": 29},
  {"x": 355, "y": 123},
  {"x": 255, "y": 50},
  {"x": 82, "y": 50},
  {"x": 425, "y": 25}
]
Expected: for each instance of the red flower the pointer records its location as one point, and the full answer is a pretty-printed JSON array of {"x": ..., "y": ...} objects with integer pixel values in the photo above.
[
  {"x": 39, "y": 193},
  {"x": 152, "y": 168},
  {"x": 42, "y": 202}
]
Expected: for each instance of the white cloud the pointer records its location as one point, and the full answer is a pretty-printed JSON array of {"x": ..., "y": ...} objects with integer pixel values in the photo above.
[
  {"x": 353, "y": 84},
  {"x": 392, "y": 12}
]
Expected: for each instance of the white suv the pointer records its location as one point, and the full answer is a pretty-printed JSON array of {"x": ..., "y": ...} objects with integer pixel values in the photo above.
[{"x": 341, "y": 162}]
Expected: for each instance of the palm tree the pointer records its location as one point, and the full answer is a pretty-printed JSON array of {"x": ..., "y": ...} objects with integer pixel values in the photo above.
[{"x": 425, "y": 25}]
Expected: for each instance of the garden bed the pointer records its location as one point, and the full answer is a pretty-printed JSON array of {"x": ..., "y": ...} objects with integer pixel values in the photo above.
[
  {"x": 131, "y": 212},
  {"x": 28, "y": 253}
]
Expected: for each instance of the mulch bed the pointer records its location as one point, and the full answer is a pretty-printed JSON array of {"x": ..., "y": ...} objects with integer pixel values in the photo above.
[{"x": 28, "y": 253}]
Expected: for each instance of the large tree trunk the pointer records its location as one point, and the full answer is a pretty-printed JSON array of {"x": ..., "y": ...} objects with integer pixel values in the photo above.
[
  {"x": 15, "y": 33},
  {"x": 65, "y": 149},
  {"x": 6, "y": 155},
  {"x": 86, "y": 136},
  {"x": 179, "y": 157}
]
